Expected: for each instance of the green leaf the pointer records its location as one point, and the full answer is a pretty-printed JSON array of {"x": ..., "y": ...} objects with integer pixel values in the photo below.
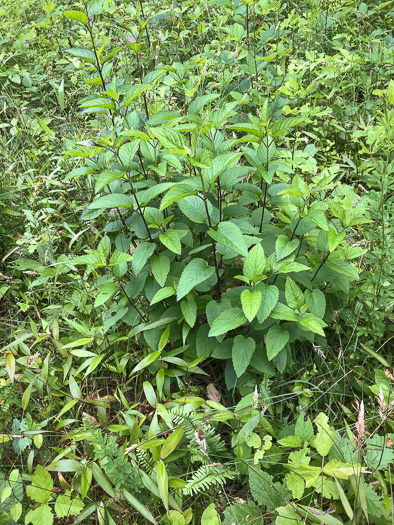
[
  {"x": 276, "y": 339},
  {"x": 196, "y": 272},
  {"x": 171, "y": 240},
  {"x": 102, "y": 480},
  {"x": 242, "y": 352},
  {"x": 170, "y": 139},
  {"x": 148, "y": 360},
  {"x": 226, "y": 321},
  {"x": 284, "y": 313},
  {"x": 266, "y": 149},
  {"x": 44, "y": 127},
  {"x": 294, "y": 295},
  {"x": 80, "y": 52},
  {"x": 138, "y": 506},
  {"x": 134, "y": 92},
  {"x": 230, "y": 235},
  {"x": 318, "y": 217},
  {"x": 10, "y": 365},
  {"x": 296, "y": 484},
  {"x": 270, "y": 296},
  {"x": 390, "y": 89},
  {"x": 127, "y": 152},
  {"x": 162, "y": 482},
  {"x": 160, "y": 266},
  {"x": 284, "y": 247},
  {"x": 250, "y": 303},
  {"x": 290, "y": 266},
  {"x": 343, "y": 268},
  {"x": 150, "y": 393},
  {"x": 325, "y": 436},
  {"x": 115, "y": 200},
  {"x": 189, "y": 312},
  {"x": 26, "y": 396},
  {"x": 200, "y": 102},
  {"x": 254, "y": 263},
  {"x": 338, "y": 470},
  {"x": 171, "y": 442},
  {"x": 243, "y": 513},
  {"x": 163, "y": 293},
  {"x": 179, "y": 192},
  {"x": 194, "y": 208},
  {"x": 378, "y": 455},
  {"x": 41, "y": 487},
  {"x": 40, "y": 516},
  {"x": 77, "y": 15},
  {"x": 304, "y": 429},
  {"x": 67, "y": 506},
  {"x": 262, "y": 487},
  {"x": 314, "y": 324},
  {"x": 290, "y": 441},
  {"x": 141, "y": 255},
  {"x": 210, "y": 516},
  {"x": 334, "y": 239}
]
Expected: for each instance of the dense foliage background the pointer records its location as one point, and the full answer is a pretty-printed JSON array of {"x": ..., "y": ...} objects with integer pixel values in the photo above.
[{"x": 196, "y": 213}]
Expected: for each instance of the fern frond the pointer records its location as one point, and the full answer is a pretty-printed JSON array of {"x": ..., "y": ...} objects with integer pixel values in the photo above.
[{"x": 206, "y": 477}]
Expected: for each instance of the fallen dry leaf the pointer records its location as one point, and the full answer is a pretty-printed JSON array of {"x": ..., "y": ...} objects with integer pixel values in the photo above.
[{"x": 213, "y": 394}]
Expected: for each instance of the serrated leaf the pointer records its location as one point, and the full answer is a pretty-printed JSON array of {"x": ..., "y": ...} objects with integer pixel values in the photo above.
[
  {"x": 304, "y": 429},
  {"x": 287, "y": 515},
  {"x": 41, "y": 486},
  {"x": 243, "y": 513},
  {"x": 250, "y": 303},
  {"x": 275, "y": 340},
  {"x": 293, "y": 293},
  {"x": 262, "y": 487},
  {"x": 284, "y": 246},
  {"x": 141, "y": 255},
  {"x": 226, "y": 321},
  {"x": 160, "y": 266},
  {"x": 162, "y": 294},
  {"x": 189, "y": 312},
  {"x": 270, "y": 296},
  {"x": 134, "y": 92},
  {"x": 171, "y": 240},
  {"x": 230, "y": 235},
  {"x": 115, "y": 200},
  {"x": 40, "y": 515},
  {"x": 67, "y": 506},
  {"x": 314, "y": 324},
  {"x": 318, "y": 217},
  {"x": 194, "y": 208},
  {"x": 242, "y": 352},
  {"x": 325, "y": 435},
  {"x": 266, "y": 149},
  {"x": 334, "y": 239},
  {"x": 291, "y": 266},
  {"x": 196, "y": 272},
  {"x": 342, "y": 267},
  {"x": 200, "y": 102},
  {"x": 170, "y": 139},
  {"x": 254, "y": 263},
  {"x": 127, "y": 152}
]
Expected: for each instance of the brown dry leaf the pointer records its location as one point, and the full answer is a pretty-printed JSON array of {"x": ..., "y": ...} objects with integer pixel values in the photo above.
[{"x": 213, "y": 394}]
